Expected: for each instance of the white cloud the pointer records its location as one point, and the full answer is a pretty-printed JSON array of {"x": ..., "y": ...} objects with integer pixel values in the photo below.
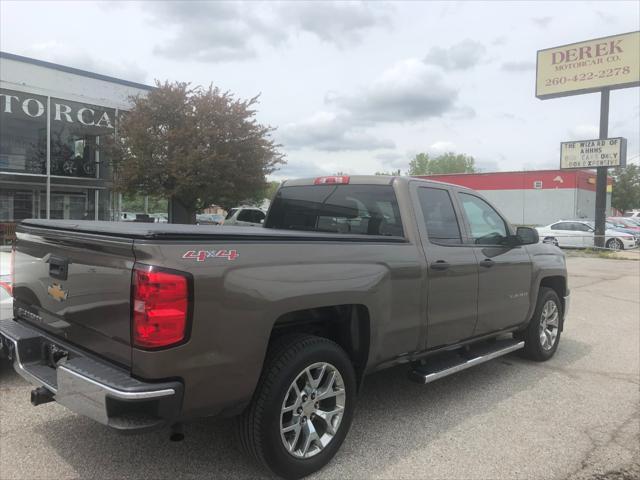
[
  {"x": 542, "y": 22},
  {"x": 461, "y": 56},
  {"x": 340, "y": 23},
  {"x": 518, "y": 66},
  {"x": 408, "y": 91},
  {"x": 584, "y": 132},
  {"x": 330, "y": 132},
  {"x": 442, "y": 147},
  {"x": 226, "y": 31}
]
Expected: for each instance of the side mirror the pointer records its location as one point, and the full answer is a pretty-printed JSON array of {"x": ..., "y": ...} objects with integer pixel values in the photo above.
[{"x": 527, "y": 235}]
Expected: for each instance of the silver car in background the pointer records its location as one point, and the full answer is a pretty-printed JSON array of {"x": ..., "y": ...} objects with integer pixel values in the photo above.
[
  {"x": 581, "y": 234},
  {"x": 245, "y": 216}
]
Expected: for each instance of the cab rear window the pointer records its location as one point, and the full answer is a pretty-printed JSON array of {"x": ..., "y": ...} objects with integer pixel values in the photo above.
[{"x": 348, "y": 209}]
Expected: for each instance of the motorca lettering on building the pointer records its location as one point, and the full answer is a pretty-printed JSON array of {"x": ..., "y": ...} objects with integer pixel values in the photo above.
[{"x": 34, "y": 108}]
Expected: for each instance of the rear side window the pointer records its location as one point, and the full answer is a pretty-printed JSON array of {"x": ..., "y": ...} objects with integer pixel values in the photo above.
[
  {"x": 561, "y": 226},
  {"x": 231, "y": 213},
  {"x": 581, "y": 227},
  {"x": 349, "y": 209},
  {"x": 439, "y": 216},
  {"x": 253, "y": 216}
]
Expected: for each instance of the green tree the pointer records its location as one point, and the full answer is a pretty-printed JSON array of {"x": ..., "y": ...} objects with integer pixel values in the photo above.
[
  {"x": 135, "y": 203},
  {"x": 423, "y": 164},
  {"x": 200, "y": 146},
  {"x": 626, "y": 188},
  {"x": 268, "y": 192}
]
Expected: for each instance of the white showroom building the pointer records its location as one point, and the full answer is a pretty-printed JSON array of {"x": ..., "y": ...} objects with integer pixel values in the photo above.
[{"x": 52, "y": 120}]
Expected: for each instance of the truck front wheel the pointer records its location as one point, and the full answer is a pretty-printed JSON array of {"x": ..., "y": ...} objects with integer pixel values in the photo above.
[
  {"x": 302, "y": 408},
  {"x": 542, "y": 335}
]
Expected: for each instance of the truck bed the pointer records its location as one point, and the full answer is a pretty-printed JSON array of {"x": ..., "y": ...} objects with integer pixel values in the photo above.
[{"x": 168, "y": 231}]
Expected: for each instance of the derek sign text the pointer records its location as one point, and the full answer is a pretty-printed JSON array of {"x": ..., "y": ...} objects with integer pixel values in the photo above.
[
  {"x": 584, "y": 67},
  {"x": 609, "y": 152}
]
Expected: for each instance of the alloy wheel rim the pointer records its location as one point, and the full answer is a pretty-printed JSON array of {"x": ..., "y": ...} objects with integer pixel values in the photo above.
[
  {"x": 549, "y": 323},
  {"x": 312, "y": 410}
]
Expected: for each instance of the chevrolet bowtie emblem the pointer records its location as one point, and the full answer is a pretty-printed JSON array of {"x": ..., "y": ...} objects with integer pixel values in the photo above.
[{"x": 56, "y": 292}]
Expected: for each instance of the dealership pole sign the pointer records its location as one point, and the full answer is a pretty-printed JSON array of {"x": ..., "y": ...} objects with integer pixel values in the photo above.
[
  {"x": 611, "y": 152},
  {"x": 586, "y": 67},
  {"x": 598, "y": 65}
]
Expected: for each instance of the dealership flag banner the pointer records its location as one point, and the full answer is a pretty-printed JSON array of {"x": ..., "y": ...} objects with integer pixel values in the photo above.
[{"x": 585, "y": 67}]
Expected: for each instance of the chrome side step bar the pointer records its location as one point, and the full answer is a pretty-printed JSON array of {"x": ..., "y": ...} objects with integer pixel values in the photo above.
[{"x": 436, "y": 368}]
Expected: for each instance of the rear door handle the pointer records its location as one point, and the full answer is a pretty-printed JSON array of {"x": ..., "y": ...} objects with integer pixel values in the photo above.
[
  {"x": 440, "y": 265},
  {"x": 487, "y": 262}
]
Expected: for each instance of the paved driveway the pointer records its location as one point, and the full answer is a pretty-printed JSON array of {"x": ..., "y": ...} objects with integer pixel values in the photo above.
[{"x": 575, "y": 416}]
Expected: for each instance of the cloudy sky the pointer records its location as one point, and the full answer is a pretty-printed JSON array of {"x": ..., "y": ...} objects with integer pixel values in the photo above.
[{"x": 354, "y": 87}]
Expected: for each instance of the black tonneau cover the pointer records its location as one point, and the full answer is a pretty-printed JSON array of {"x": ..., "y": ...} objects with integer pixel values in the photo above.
[{"x": 169, "y": 231}]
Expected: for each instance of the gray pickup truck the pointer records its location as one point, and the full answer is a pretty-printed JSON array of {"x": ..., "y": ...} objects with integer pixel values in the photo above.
[{"x": 140, "y": 325}]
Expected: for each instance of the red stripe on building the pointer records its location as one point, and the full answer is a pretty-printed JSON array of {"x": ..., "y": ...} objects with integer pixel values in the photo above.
[{"x": 533, "y": 180}]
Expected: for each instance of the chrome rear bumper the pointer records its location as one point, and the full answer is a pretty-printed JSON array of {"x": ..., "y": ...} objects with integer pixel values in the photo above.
[{"x": 88, "y": 386}]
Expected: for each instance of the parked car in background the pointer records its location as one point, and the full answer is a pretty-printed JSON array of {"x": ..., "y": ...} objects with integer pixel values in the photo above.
[
  {"x": 625, "y": 223},
  {"x": 159, "y": 217},
  {"x": 580, "y": 234},
  {"x": 247, "y": 216},
  {"x": 632, "y": 214},
  {"x": 619, "y": 228},
  {"x": 209, "y": 219}
]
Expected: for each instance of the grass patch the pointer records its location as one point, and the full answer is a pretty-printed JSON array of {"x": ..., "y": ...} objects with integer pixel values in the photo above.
[{"x": 598, "y": 253}]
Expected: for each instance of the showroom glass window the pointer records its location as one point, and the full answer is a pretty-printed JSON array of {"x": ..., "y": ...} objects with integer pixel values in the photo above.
[
  {"x": 23, "y": 132},
  {"x": 77, "y": 130}
]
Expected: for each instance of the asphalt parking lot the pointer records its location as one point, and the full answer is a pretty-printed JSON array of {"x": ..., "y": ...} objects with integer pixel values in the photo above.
[{"x": 574, "y": 417}]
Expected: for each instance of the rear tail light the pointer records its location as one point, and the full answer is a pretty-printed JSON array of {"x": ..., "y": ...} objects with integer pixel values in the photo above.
[
  {"x": 6, "y": 281},
  {"x": 160, "y": 307},
  {"x": 333, "y": 180}
]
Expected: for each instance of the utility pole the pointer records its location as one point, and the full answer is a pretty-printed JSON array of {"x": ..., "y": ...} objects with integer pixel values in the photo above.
[{"x": 601, "y": 178}]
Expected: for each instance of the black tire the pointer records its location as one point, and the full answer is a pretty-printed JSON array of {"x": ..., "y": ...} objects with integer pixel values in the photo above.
[
  {"x": 533, "y": 348},
  {"x": 614, "y": 244},
  {"x": 259, "y": 425}
]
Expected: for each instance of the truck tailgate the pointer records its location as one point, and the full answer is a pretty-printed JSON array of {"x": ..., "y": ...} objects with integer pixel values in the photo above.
[{"x": 76, "y": 286}]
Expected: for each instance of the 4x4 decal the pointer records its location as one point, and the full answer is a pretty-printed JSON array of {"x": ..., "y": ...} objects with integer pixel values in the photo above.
[{"x": 202, "y": 255}]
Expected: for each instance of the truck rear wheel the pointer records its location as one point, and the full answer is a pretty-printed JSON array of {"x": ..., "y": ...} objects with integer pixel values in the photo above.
[
  {"x": 542, "y": 335},
  {"x": 302, "y": 408}
]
